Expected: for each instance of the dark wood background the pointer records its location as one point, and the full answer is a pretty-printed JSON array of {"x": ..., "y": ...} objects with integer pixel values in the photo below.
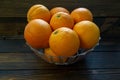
[
  {"x": 13, "y": 8},
  {"x": 13, "y": 13},
  {"x": 17, "y": 61}
]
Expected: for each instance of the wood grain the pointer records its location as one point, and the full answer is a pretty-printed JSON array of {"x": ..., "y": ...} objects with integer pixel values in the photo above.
[
  {"x": 18, "y": 62},
  {"x": 99, "y": 8},
  {"x": 106, "y": 55},
  {"x": 14, "y": 26},
  {"x": 111, "y": 74},
  {"x": 13, "y": 16}
]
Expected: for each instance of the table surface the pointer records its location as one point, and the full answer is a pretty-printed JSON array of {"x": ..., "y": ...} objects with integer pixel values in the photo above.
[{"x": 18, "y": 62}]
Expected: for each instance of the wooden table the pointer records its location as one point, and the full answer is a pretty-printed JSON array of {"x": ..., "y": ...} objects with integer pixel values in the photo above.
[{"x": 18, "y": 62}]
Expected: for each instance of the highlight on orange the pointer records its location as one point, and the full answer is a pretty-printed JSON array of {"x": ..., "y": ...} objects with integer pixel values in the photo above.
[
  {"x": 58, "y": 9},
  {"x": 64, "y": 42},
  {"x": 80, "y": 14},
  {"x": 88, "y": 33},
  {"x": 38, "y": 11},
  {"x": 61, "y": 19},
  {"x": 37, "y": 33}
]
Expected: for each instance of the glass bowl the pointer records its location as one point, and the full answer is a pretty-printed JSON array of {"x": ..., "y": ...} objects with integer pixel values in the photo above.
[{"x": 61, "y": 60}]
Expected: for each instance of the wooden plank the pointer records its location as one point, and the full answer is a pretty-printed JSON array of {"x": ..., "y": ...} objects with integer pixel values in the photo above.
[
  {"x": 102, "y": 64},
  {"x": 16, "y": 45},
  {"x": 12, "y": 26},
  {"x": 110, "y": 74},
  {"x": 99, "y": 8},
  {"x": 94, "y": 60},
  {"x": 11, "y": 29},
  {"x": 109, "y": 26},
  {"x": 19, "y": 45}
]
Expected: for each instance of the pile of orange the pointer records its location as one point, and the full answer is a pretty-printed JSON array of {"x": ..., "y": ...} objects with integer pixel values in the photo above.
[{"x": 60, "y": 32}]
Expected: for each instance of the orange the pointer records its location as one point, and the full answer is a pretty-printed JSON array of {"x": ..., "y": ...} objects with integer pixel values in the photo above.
[
  {"x": 61, "y": 19},
  {"x": 52, "y": 57},
  {"x": 38, "y": 11},
  {"x": 88, "y": 32},
  {"x": 37, "y": 33},
  {"x": 80, "y": 14},
  {"x": 64, "y": 42},
  {"x": 58, "y": 9}
]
